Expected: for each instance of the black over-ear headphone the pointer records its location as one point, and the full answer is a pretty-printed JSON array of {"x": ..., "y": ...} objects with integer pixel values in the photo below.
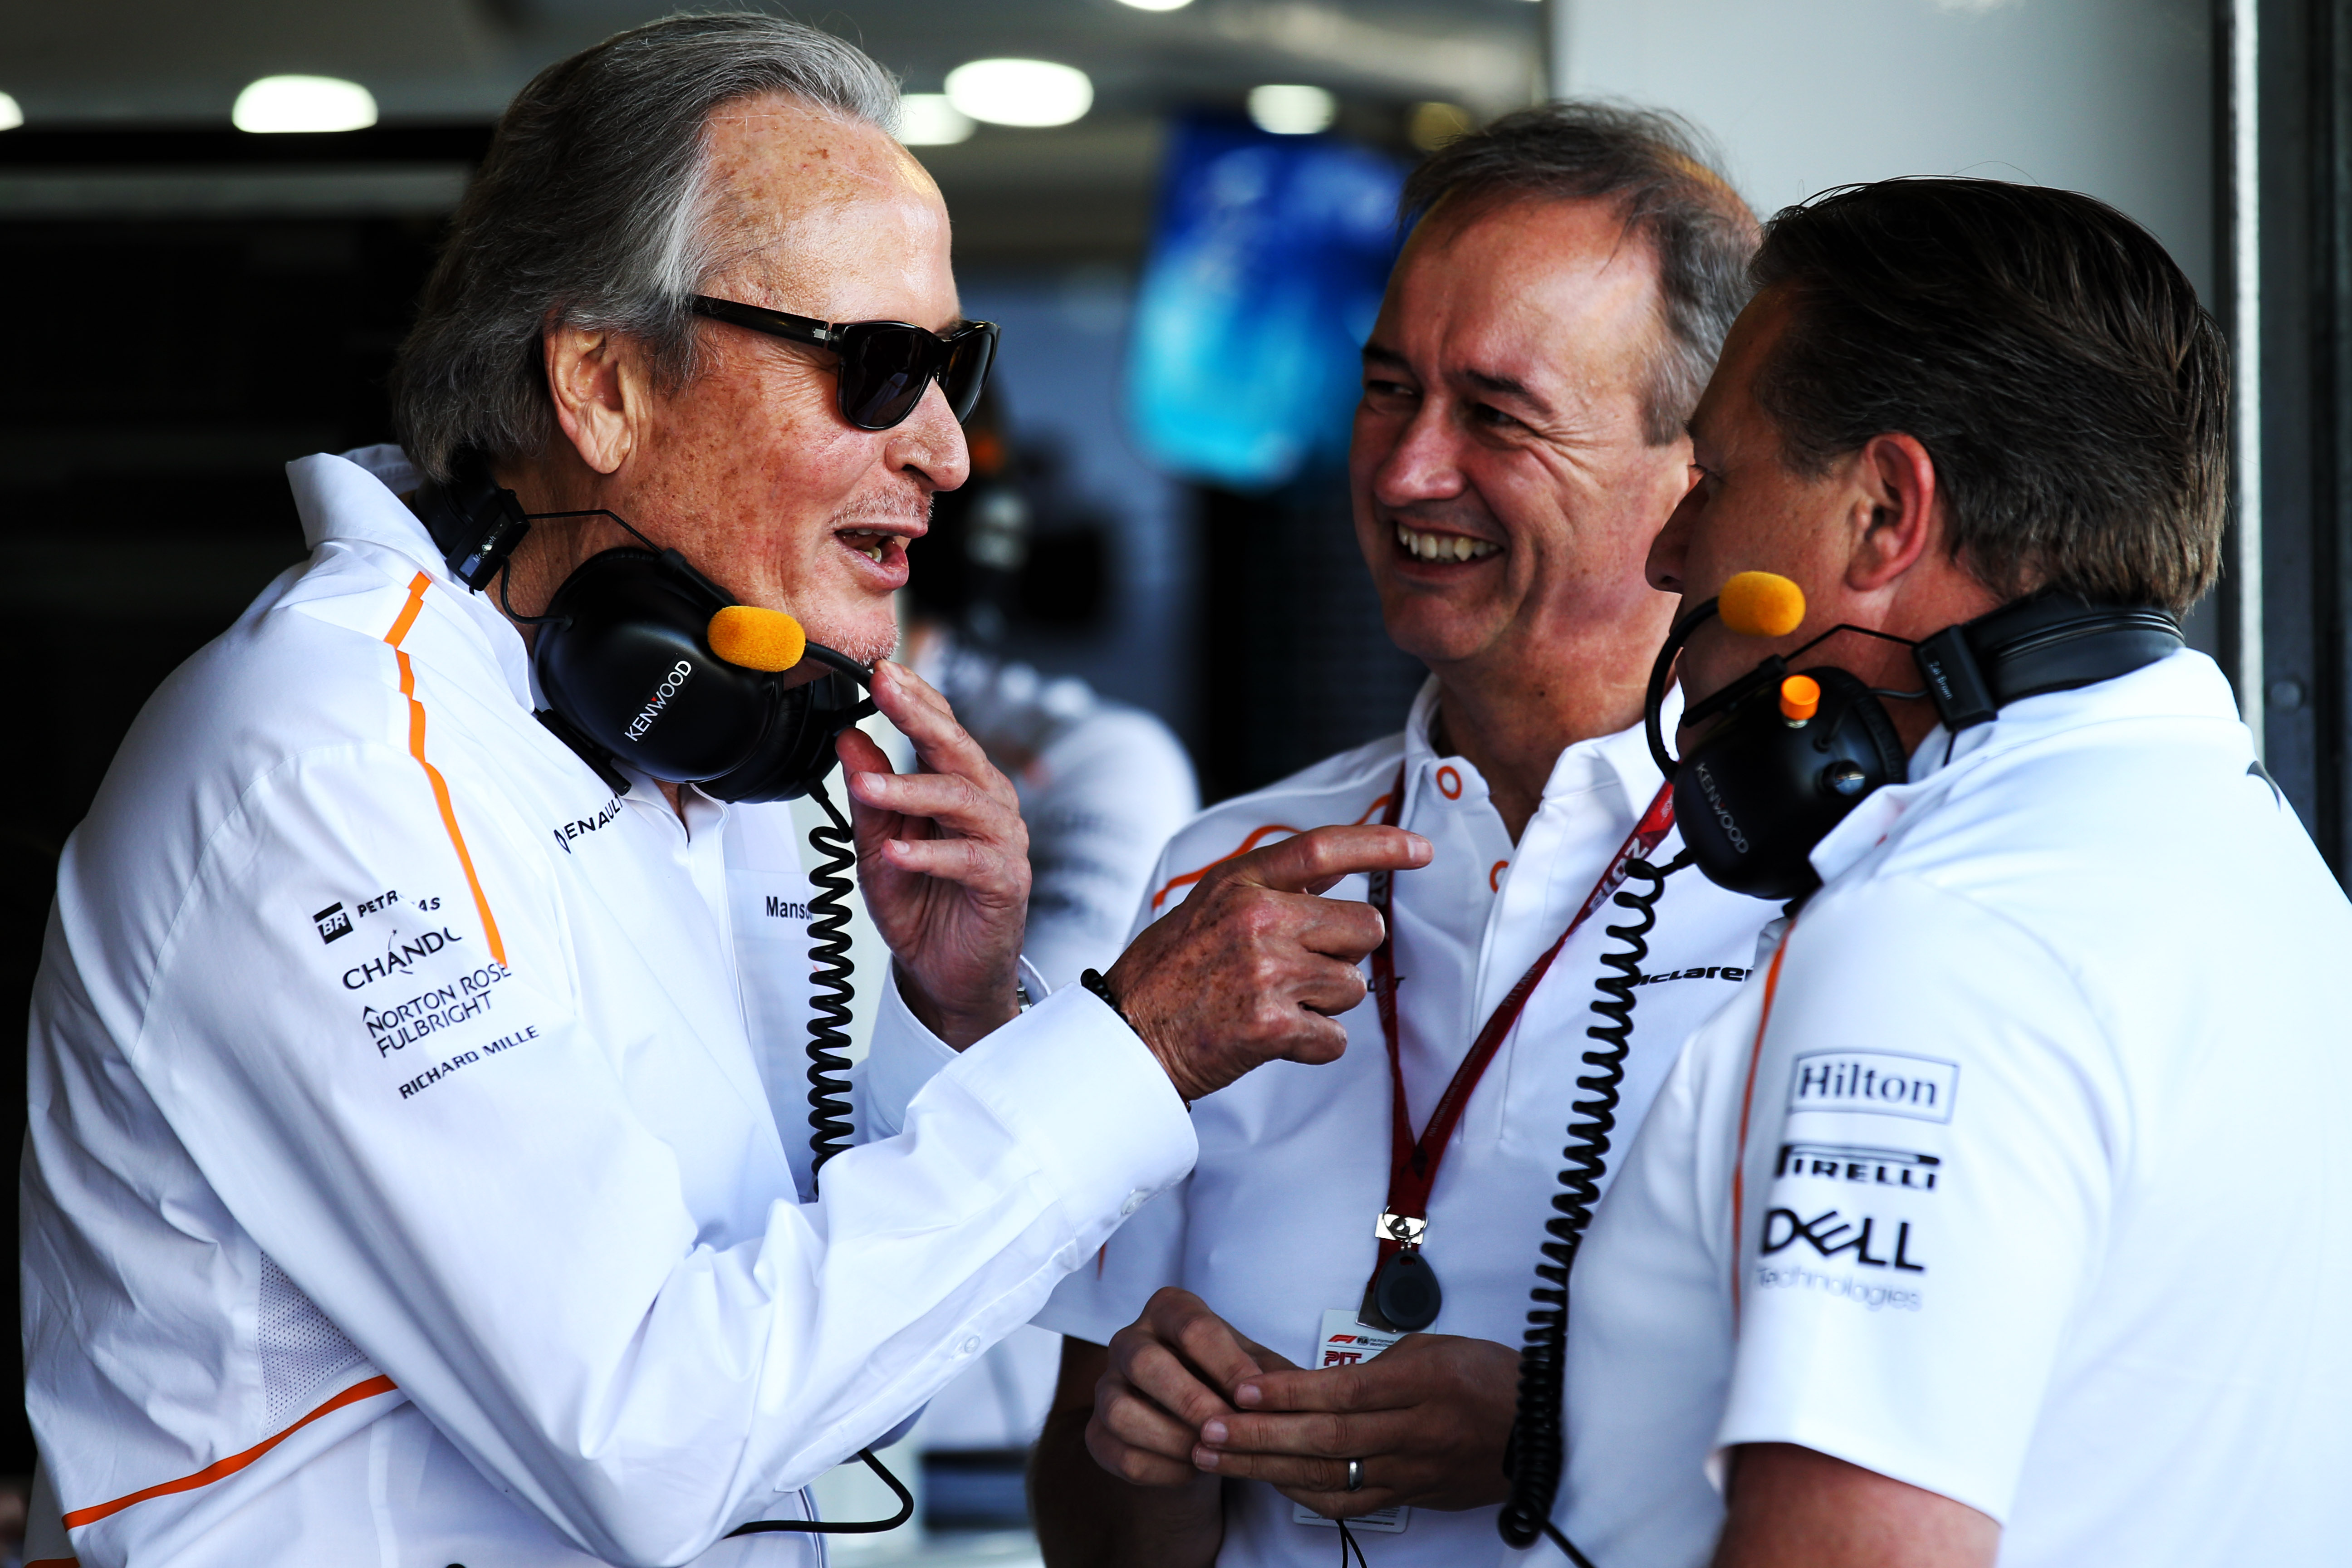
[
  {"x": 1790, "y": 755},
  {"x": 624, "y": 654}
]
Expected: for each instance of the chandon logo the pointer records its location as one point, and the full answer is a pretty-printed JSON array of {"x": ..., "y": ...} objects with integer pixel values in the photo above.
[
  {"x": 1722, "y": 813},
  {"x": 660, "y": 699}
]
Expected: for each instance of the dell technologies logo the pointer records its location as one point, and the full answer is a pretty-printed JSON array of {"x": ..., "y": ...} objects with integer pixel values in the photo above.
[
  {"x": 660, "y": 699},
  {"x": 1883, "y": 1083}
]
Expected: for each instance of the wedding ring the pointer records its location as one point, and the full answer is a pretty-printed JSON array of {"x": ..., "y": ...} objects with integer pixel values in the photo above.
[{"x": 1355, "y": 1475}]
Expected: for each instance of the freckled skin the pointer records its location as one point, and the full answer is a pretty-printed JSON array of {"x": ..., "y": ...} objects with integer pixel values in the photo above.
[{"x": 747, "y": 467}]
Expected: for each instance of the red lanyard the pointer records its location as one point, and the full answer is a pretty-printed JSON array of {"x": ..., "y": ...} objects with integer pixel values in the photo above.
[{"x": 1412, "y": 1164}]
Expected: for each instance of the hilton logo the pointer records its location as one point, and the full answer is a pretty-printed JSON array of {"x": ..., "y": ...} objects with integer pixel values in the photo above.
[{"x": 1883, "y": 1083}]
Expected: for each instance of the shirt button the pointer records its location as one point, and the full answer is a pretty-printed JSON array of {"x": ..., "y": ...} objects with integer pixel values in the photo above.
[
  {"x": 1134, "y": 1202},
  {"x": 970, "y": 1345}
]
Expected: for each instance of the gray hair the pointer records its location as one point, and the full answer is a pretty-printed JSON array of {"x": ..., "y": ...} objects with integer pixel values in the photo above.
[
  {"x": 591, "y": 210},
  {"x": 1660, "y": 171}
]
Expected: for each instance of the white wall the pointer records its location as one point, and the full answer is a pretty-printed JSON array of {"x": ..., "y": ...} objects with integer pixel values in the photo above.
[{"x": 2111, "y": 97}]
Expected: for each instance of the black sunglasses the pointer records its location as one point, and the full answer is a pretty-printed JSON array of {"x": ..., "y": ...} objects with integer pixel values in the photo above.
[{"x": 884, "y": 365}]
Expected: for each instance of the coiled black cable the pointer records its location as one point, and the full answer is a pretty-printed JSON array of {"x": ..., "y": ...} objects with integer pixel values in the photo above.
[
  {"x": 830, "y": 989},
  {"x": 1536, "y": 1445}
]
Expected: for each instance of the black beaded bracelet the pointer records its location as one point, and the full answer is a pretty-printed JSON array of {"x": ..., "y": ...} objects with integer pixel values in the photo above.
[{"x": 1093, "y": 981}]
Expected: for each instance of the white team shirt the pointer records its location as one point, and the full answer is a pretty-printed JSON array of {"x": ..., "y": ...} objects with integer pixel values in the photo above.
[
  {"x": 402, "y": 1184},
  {"x": 2033, "y": 1181},
  {"x": 1276, "y": 1224}
]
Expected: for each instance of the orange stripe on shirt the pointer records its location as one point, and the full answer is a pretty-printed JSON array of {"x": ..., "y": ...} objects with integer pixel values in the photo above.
[
  {"x": 220, "y": 1469},
  {"x": 407, "y": 619},
  {"x": 1747, "y": 1102},
  {"x": 1257, "y": 836}
]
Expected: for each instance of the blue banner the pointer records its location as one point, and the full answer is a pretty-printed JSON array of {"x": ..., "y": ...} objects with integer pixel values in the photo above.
[{"x": 1268, "y": 263}]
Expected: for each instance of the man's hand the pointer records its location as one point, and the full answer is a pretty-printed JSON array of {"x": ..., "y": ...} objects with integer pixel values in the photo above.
[
  {"x": 1427, "y": 1418},
  {"x": 943, "y": 858},
  {"x": 1088, "y": 1517},
  {"x": 1170, "y": 1374},
  {"x": 1251, "y": 967}
]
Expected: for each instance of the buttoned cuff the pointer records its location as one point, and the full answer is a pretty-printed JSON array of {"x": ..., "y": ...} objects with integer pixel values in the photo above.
[
  {"x": 1085, "y": 1098},
  {"x": 904, "y": 1055}
]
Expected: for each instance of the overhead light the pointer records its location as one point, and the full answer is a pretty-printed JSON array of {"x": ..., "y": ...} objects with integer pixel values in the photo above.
[
  {"x": 1433, "y": 125},
  {"x": 1158, "y": 4},
  {"x": 929, "y": 120},
  {"x": 304, "y": 103},
  {"x": 11, "y": 116},
  {"x": 1020, "y": 92},
  {"x": 1291, "y": 110}
]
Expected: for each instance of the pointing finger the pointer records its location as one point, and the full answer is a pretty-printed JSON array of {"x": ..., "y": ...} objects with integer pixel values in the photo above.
[{"x": 1313, "y": 860}]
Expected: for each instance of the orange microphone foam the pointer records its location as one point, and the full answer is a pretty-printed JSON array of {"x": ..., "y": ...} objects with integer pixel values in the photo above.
[
  {"x": 1761, "y": 604},
  {"x": 757, "y": 638}
]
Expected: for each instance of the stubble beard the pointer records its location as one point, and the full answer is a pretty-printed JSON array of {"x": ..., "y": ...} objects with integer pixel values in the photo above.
[{"x": 842, "y": 634}]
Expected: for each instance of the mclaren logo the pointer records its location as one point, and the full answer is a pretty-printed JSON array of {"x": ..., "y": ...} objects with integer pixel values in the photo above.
[
  {"x": 1722, "y": 812},
  {"x": 660, "y": 699}
]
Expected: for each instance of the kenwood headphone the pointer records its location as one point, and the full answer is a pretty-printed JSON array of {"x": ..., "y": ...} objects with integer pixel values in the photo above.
[
  {"x": 1790, "y": 755},
  {"x": 644, "y": 660}
]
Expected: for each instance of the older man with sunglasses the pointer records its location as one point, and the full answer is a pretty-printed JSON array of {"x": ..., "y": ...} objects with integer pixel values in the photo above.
[{"x": 415, "y": 1172}]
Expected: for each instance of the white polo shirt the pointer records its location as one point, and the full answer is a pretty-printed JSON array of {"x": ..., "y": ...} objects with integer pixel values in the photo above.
[
  {"x": 1275, "y": 1226},
  {"x": 2029, "y": 1164},
  {"x": 402, "y": 1184}
]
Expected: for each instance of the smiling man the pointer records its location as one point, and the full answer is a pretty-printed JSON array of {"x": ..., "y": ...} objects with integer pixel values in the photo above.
[
  {"x": 419, "y": 1168},
  {"x": 1518, "y": 445},
  {"x": 2000, "y": 1217}
]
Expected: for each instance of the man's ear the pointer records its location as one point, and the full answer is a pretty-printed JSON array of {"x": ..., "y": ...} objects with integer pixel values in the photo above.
[
  {"x": 602, "y": 392},
  {"x": 1897, "y": 479}
]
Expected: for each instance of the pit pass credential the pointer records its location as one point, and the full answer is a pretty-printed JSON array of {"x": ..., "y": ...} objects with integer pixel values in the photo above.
[{"x": 1346, "y": 1342}]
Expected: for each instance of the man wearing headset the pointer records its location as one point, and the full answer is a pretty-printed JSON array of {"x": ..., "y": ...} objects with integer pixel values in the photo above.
[
  {"x": 403, "y": 1184},
  {"x": 1517, "y": 443},
  {"x": 2001, "y": 1215}
]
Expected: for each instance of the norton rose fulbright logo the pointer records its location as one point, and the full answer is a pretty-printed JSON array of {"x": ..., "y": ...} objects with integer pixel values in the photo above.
[{"x": 678, "y": 676}]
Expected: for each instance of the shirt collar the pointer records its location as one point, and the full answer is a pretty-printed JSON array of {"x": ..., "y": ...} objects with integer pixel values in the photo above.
[
  {"x": 2183, "y": 685},
  {"x": 355, "y": 498},
  {"x": 1621, "y": 759}
]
